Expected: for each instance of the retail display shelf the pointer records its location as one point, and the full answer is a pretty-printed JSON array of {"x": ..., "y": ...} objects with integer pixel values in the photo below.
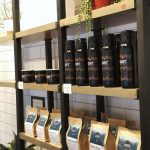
[
  {"x": 47, "y": 87},
  {"x": 38, "y": 142},
  {"x": 43, "y": 28},
  {"x": 102, "y": 91},
  {"x": 11, "y": 84},
  {"x": 104, "y": 11}
]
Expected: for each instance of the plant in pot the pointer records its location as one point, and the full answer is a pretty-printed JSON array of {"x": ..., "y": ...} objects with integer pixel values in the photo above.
[
  {"x": 6, "y": 15},
  {"x": 85, "y": 12},
  {"x": 12, "y": 145},
  {"x": 101, "y": 3}
]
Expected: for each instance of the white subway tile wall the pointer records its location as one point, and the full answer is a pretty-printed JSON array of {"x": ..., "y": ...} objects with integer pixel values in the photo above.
[{"x": 7, "y": 96}]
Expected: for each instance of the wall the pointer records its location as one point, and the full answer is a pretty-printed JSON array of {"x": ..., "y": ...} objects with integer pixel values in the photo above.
[
  {"x": 7, "y": 96},
  {"x": 42, "y": 13}
]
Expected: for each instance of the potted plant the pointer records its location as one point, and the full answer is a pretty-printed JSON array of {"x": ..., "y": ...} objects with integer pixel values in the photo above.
[
  {"x": 85, "y": 12},
  {"x": 101, "y": 3},
  {"x": 6, "y": 15},
  {"x": 12, "y": 145}
]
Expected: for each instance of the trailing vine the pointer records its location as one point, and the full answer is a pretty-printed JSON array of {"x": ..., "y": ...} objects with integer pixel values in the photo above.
[{"x": 85, "y": 14}]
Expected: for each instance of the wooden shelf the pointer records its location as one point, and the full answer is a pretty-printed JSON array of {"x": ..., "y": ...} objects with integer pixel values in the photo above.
[
  {"x": 108, "y": 10},
  {"x": 38, "y": 142},
  {"x": 43, "y": 28},
  {"x": 47, "y": 87},
  {"x": 11, "y": 84},
  {"x": 102, "y": 91},
  {"x": 4, "y": 39}
]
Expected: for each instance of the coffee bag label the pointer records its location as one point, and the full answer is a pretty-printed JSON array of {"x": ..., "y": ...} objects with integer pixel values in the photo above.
[
  {"x": 40, "y": 132},
  {"x": 31, "y": 118},
  {"x": 41, "y": 127},
  {"x": 97, "y": 140},
  {"x": 28, "y": 128},
  {"x": 127, "y": 144},
  {"x": 72, "y": 137},
  {"x": 72, "y": 144},
  {"x": 55, "y": 137},
  {"x": 128, "y": 139},
  {"x": 54, "y": 131},
  {"x": 29, "y": 123}
]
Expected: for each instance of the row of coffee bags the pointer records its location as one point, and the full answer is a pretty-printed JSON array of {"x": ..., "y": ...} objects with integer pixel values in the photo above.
[
  {"x": 84, "y": 133},
  {"x": 88, "y": 134},
  {"x": 44, "y": 125}
]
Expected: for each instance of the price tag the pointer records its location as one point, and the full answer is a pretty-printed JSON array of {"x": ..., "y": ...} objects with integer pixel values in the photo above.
[
  {"x": 67, "y": 88},
  {"x": 20, "y": 85}
]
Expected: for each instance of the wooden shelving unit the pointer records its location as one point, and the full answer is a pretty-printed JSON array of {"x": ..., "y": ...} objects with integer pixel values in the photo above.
[
  {"x": 11, "y": 84},
  {"x": 143, "y": 93},
  {"x": 46, "y": 87},
  {"x": 102, "y": 91},
  {"x": 7, "y": 38},
  {"x": 38, "y": 142},
  {"x": 108, "y": 10},
  {"x": 43, "y": 28}
]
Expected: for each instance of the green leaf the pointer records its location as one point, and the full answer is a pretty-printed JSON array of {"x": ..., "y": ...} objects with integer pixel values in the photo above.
[{"x": 3, "y": 147}]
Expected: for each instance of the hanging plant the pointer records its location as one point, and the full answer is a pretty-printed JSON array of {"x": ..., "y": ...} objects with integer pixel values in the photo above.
[{"x": 85, "y": 14}]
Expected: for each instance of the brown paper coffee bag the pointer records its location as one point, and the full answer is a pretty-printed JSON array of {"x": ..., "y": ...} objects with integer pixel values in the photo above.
[
  {"x": 55, "y": 129},
  {"x": 128, "y": 139},
  {"x": 42, "y": 125},
  {"x": 98, "y": 135},
  {"x": 73, "y": 133},
  {"x": 30, "y": 122}
]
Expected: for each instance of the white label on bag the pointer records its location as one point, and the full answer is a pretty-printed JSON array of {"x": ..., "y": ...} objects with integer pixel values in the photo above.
[
  {"x": 96, "y": 147},
  {"x": 54, "y": 137},
  {"x": 40, "y": 132},
  {"x": 28, "y": 128},
  {"x": 72, "y": 144},
  {"x": 20, "y": 85},
  {"x": 97, "y": 139},
  {"x": 67, "y": 88},
  {"x": 72, "y": 137},
  {"x": 54, "y": 131}
]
